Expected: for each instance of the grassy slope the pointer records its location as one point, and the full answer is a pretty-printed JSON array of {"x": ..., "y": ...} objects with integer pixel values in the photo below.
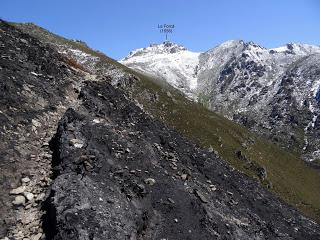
[{"x": 291, "y": 179}]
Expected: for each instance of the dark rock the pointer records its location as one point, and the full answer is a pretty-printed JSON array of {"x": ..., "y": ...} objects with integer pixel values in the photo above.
[
  {"x": 200, "y": 196},
  {"x": 26, "y": 96},
  {"x": 234, "y": 208}
]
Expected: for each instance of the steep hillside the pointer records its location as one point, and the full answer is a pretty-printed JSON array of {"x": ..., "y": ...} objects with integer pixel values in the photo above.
[
  {"x": 123, "y": 175},
  {"x": 284, "y": 173}
]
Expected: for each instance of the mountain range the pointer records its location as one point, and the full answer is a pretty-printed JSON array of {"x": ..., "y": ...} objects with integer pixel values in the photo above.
[{"x": 274, "y": 92}]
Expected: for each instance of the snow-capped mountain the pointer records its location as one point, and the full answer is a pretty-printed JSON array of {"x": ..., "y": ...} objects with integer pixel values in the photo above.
[
  {"x": 168, "y": 61},
  {"x": 274, "y": 92}
]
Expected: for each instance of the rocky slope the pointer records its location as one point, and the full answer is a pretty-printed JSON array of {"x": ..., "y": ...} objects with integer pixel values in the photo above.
[
  {"x": 123, "y": 175},
  {"x": 274, "y": 92},
  {"x": 36, "y": 87},
  {"x": 116, "y": 171}
]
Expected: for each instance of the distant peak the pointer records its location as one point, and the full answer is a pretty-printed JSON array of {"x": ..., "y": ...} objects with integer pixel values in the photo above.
[
  {"x": 296, "y": 49},
  {"x": 240, "y": 43}
]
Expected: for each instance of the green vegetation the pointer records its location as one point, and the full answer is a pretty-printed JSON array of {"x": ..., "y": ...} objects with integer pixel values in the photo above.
[{"x": 291, "y": 179}]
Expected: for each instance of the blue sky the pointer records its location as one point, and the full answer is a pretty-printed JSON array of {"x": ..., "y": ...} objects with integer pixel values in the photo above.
[{"x": 119, "y": 26}]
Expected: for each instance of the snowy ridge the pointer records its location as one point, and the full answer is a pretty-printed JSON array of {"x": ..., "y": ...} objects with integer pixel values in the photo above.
[{"x": 299, "y": 49}]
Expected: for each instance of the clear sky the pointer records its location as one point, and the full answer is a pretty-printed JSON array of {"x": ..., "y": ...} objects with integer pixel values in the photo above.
[{"x": 116, "y": 27}]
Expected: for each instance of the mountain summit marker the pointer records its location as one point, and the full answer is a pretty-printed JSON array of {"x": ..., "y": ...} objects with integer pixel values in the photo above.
[{"x": 166, "y": 28}]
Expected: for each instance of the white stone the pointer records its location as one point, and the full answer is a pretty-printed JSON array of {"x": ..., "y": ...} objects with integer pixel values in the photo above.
[
  {"x": 18, "y": 190},
  {"x": 184, "y": 177},
  {"x": 41, "y": 196},
  {"x": 150, "y": 181},
  {"x": 19, "y": 200},
  {"x": 77, "y": 143},
  {"x": 28, "y": 195},
  {"x": 96, "y": 120},
  {"x": 36, "y": 237},
  {"x": 25, "y": 180}
]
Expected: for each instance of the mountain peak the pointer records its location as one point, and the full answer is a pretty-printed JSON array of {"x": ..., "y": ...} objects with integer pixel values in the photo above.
[
  {"x": 241, "y": 44},
  {"x": 169, "y": 61},
  {"x": 168, "y": 45}
]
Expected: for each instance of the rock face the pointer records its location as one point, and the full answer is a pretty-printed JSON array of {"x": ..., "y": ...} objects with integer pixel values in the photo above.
[
  {"x": 274, "y": 92},
  {"x": 101, "y": 192}
]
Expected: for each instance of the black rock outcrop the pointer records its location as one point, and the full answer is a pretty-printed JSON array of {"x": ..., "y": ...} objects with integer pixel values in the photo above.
[{"x": 123, "y": 175}]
